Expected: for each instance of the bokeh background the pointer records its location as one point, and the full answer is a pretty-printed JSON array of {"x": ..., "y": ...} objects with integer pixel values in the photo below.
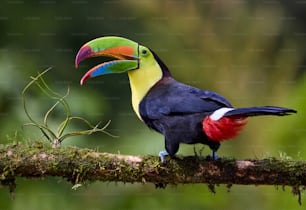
[{"x": 252, "y": 52}]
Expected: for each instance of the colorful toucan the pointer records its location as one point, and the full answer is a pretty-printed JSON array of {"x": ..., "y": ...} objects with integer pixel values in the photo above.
[{"x": 182, "y": 113}]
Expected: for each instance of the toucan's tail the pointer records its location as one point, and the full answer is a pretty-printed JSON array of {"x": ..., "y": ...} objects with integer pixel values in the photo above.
[
  {"x": 260, "y": 110},
  {"x": 226, "y": 123}
]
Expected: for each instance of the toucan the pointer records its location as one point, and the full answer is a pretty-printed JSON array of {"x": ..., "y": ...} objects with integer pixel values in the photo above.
[{"x": 182, "y": 113}]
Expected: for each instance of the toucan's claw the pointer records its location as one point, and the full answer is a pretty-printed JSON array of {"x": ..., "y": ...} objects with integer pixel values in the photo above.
[{"x": 162, "y": 155}]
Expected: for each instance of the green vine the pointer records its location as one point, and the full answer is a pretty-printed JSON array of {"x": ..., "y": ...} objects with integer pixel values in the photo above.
[{"x": 56, "y": 137}]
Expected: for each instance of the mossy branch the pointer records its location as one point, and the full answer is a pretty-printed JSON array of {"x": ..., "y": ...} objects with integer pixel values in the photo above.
[{"x": 84, "y": 165}]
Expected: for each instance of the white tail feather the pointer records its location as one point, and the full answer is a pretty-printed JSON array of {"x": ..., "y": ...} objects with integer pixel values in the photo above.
[{"x": 219, "y": 113}]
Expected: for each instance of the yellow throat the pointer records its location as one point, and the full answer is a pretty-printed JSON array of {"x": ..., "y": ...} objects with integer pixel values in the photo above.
[{"x": 141, "y": 80}]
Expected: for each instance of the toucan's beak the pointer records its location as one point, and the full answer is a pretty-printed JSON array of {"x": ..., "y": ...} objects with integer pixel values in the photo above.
[{"x": 124, "y": 51}]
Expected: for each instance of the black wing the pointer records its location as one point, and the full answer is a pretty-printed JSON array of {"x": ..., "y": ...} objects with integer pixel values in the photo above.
[{"x": 174, "y": 98}]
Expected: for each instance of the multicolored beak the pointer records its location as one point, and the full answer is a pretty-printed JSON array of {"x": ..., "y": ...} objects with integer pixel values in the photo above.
[{"x": 124, "y": 51}]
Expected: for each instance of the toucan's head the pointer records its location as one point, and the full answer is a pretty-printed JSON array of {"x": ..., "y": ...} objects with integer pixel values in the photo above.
[{"x": 144, "y": 67}]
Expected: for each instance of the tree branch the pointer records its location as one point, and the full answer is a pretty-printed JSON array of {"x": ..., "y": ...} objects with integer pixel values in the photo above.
[{"x": 80, "y": 165}]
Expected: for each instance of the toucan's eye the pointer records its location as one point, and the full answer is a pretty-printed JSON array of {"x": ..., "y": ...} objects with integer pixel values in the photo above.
[{"x": 144, "y": 51}]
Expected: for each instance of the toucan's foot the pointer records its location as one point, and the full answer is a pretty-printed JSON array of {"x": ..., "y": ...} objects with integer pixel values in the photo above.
[
  {"x": 215, "y": 156},
  {"x": 162, "y": 155}
]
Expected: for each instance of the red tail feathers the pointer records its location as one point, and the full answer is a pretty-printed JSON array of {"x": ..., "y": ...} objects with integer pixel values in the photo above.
[{"x": 224, "y": 128}]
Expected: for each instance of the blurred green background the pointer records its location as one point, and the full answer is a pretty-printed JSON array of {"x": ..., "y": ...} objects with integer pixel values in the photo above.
[{"x": 252, "y": 52}]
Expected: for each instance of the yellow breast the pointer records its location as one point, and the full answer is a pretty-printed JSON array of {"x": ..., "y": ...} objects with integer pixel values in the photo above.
[{"x": 141, "y": 81}]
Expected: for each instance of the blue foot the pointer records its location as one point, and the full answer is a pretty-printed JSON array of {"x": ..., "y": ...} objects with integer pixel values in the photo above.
[
  {"x": 162, "y": 155},
  {"x": 215, "y": 156}
]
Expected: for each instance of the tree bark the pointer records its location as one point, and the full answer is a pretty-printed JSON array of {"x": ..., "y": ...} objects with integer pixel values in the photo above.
[{"x": 79, "y": 165}]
